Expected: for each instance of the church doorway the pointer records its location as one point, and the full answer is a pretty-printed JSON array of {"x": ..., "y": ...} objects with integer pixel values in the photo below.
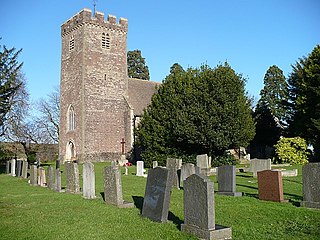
[{"x": 70, "y": 151}]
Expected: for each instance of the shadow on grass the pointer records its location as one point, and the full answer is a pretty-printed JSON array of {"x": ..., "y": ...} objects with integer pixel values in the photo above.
[
  {"x": 102, "y": 195},
  {"x": 254, "y": 195},
  {"x": 247, "y": 186},
  {"x": 244, "y": 175},
  {"x": 138, "y": 202},
  {"x": 294, "y": 181}
]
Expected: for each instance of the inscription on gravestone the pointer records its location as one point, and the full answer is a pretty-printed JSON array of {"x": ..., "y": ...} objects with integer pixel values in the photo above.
[{"x": 157, "y": 195}]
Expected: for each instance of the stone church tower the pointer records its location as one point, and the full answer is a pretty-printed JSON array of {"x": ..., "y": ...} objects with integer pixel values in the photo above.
[{"x": 98, "y": 102}]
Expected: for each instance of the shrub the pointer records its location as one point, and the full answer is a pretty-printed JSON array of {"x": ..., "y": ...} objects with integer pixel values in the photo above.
[
  {"x": 225, "y": 159},
  {"x": 291, "y": 150}
]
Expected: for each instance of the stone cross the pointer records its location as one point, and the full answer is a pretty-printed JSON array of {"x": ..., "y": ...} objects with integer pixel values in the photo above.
[{"x": 122, "y": 146}]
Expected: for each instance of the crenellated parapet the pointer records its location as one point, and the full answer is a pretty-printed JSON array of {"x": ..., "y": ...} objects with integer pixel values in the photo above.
[{"x": 85, "y": 17}]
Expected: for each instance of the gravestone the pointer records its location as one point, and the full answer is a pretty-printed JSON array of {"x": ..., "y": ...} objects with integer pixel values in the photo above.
[
  {"x": 113, "y": 187},
  {"x": 57, "y": 181},
  {"x": 203, "y": 164},
  {"x": 270, "y": 187},
  {"x": 19, "y": 168},
  {"x": 289, "y": 173},
  {"x": 42, "y": 177},
  {"x": 72, "y": 176},
  {"x": 311, "y": 185},
  {"x": 154, "y": 164},
  {"x": 187, "y": 170},
  {"x": 227, "y": 181},
  {"x": 50, "y": 183},
  {"x": 7, "y": 167},
  {"x": 140, "y": 169},
  {"x": 157, "y": 195},
  {"x": 24, "y": 173},
  {"x": 199, "y": 209},
  {"x": 13, "y": 167},
  {"x": 33, "y": 175},
  {"x": 89, "y": 186},
  {"x": 174, "y": 167},
  {"x": 257, "y": 165}
]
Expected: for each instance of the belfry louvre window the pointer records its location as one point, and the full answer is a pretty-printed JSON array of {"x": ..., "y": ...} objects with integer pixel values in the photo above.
[
  {"x": 105, "y": 41},
  {"x": 71, "y": 44}
]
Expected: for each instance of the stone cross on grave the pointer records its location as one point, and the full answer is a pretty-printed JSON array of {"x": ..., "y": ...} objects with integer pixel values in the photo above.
[{"x": 122, "y": 146}]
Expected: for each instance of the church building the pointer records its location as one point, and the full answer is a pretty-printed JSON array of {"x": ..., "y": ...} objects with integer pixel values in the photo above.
[{"x": 99, "y": 104}]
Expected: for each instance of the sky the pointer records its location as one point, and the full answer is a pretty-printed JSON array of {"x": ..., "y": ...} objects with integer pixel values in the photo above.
[{"x": 251, "y": 35}]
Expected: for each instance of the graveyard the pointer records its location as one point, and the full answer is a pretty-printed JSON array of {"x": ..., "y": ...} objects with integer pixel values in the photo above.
[{"x": 34, "y": 212}]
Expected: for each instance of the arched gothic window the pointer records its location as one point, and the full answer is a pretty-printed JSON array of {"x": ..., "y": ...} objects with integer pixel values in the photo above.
[
  {"x": 105, "y": 41},
  {"x": 71, "y": 118}
]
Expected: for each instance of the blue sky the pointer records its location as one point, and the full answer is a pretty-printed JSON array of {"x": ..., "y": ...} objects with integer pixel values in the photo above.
[{"x": 251, "y": 35}]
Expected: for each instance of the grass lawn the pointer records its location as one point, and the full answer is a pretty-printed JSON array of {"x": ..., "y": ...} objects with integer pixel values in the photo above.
[{"x": 38, "y": 213}]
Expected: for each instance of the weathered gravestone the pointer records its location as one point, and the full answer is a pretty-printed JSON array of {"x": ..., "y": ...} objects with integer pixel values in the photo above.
[
  {"x": 174, "y": 167},
  {"x": 187, "y": 170},
  {"x": 270, "y": 187},
  {"x": 199, "y": 212},
  {"x": 257, "y": 165},
  {"x": 311, "y": 185},
  {"x": 113, "y": 187},
  {"x": 203, "y": 164},
  {"x": 89, "y": 186},
  {"x": 157, "y": 195},
  {"x": 154, "y": 164},
  {"x": 13, "y": 167},
  {"x": 227, "y": 181},
  {"x": 24, "y": 173},
  {"x": 72, "y": 176},
  {"x": 33, "y": 175},
  {"x": 57, "y": 181},
  {"x": 42, "y": 177},
  {"x": 7, "y": 167},
  {"x": 50, "y": 183},
  {"x": 140, "y": 169},
  {"x": 19, "y": 168}
]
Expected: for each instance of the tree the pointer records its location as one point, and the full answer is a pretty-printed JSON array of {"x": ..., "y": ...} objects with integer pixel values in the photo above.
[
  {"x": 194, "y": 112},
  {"x": 304, "y": 82},
  {"x": 10, "y": 82},
  {"x": 137, "y": 67}
]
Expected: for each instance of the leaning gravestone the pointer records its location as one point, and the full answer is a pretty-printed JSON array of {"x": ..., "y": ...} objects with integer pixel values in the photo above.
[
  {"x": 199, "y": 212},
  {"x": 72, "y": 176},
  {"x": 270, "y": 187},
  {"x": 13, "y": 167},
  {"x": 311, "y": 185},
  {"x": 50, "y": 183},
  {"x": 257, "y": 165},
  {"x": 33, "y": 175},
  {"x": 174, "y": 167},
  {"x": 24, "y": 173},
  {"x": 227, "y": 181},
  {"x": 19, "y": 168},
  {"x": 57, "y": 182},
  {"x": 89, "y": 186},
  {"x": 157, "y": 195},
  {"x": 113, "y": 187},
  {"x": 187, "y": 170},
  {"x": 7, "y": 167}
]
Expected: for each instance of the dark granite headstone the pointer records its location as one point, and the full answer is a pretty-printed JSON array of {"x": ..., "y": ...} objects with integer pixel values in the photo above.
[
  {"x": 227, "y": 181},
  {"x": 311, "y": 185},
  {"x": 199, "y": 209},
  {"x": 33, "y": 175},
  {"x": 19, "y": 168},
  {"x": 50, "y": 183},
  {"x": 72, "y": 176},
  {"x": 113, "y": 187},
  {"x": 89, "y": 186},
  {"x": 157, "y": 195},
  {"x": 270, "y": 187},
  {"x": 7, "y": 167}
]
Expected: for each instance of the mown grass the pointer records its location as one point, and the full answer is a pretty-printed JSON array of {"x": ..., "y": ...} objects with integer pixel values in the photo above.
[{"x": 38, "y": 213}]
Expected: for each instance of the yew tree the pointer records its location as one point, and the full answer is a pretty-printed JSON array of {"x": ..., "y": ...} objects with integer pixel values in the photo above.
[{"x": 137, "y": 67}]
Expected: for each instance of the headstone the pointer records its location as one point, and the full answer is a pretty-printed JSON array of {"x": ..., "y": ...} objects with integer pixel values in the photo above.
[
  {"x": 174, "y": 166},
  {"x": 113, "y": 187},
  {"x": 7, "y": 167},
  {"x": 203, "y": 164},
  {"x": 154, "y": 164},
  {"x": 157, "y": 195},
  {"x": 187, "y": 170},
  {"x": 72, "y": 176},
  {"x": 89, "y": 186},
  {"x": 126, "y": 170},
  {"x": 24, "y": 173},
  {"x": 13, "y": 167},
  {"x": 227, "y": 181},
  {"x": 311, "y": 185},
  {"x": 33, "y": 175},
  {"x": 289, "y": 173},
  {"x": 140, "y": 169},
  {"x": 199, "y": 209},
  {"x": 123, "y": 160},
  {"x": 19, "y": 168},
  {"x": 270, "y": 187},
  {"x": 57, "y": 182},
  {"x": 50, "y": 183},
  {"x": 42, "y": 177},
  {"x": 257, "y": 165}
]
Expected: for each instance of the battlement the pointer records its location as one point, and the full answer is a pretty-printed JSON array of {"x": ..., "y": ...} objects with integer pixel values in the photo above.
[{"x": 85, "y": 17}]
